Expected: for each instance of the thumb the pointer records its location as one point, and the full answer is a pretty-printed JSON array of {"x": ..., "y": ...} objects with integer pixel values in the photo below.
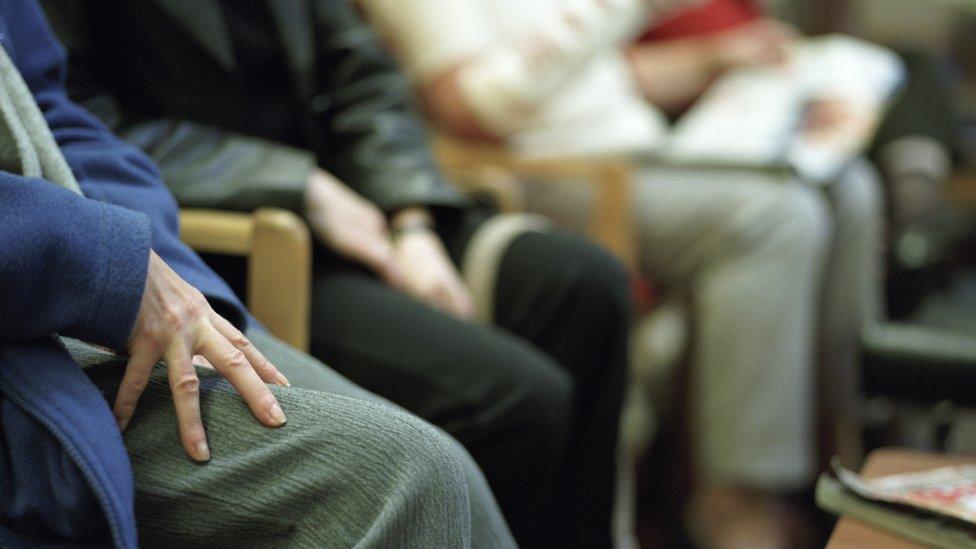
[{"x": 463, "y": 302}]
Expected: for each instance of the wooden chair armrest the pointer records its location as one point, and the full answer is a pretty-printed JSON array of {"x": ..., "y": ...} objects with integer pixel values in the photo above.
[
  {"x": 612, "y": 224},
  {"x": 279, "y": 251}
]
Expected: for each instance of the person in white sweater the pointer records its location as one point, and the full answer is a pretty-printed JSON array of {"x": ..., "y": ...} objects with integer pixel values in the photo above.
[{"x": 778, "y": 270}]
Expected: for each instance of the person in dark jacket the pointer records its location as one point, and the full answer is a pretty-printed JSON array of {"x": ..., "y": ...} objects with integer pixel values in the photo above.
[
  {"x": 297, "y": 105},
  {"x": 89, "y": 260}
]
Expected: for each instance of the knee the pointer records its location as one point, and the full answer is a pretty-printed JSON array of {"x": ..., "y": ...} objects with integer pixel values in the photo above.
[
  {"x": 560, "y": 277},
  {"x": 598, "y": 284},
  {"x": 602, "y": 277},
  {"x": 412, "y": 460},
  {"x": 858, "y": 197},
  {"x": 802, "y": 222},
  {"x": 439, "y": 484},
  {"x": 375, "y": 474},
  {"x": 434, "y": 461}
]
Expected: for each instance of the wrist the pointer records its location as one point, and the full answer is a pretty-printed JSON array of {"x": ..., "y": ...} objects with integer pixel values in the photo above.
[
  {"x": 411, "y": 220},
  {"x": 313, "y": 190},
  {"x": 413, "y": 227}
]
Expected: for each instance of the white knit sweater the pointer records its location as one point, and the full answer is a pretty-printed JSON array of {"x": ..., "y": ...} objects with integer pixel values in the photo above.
[{"x": 573, "y": 94}]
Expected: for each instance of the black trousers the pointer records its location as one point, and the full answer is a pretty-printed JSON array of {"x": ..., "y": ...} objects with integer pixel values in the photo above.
[{"x": 535, "y": 399}]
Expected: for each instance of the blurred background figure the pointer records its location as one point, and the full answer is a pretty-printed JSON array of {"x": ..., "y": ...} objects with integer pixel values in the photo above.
[
  {"x": 914, "y": 145},
  {"x": 772, "y": 263}
]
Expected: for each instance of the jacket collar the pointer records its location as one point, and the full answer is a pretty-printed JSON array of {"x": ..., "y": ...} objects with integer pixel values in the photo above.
[
  {"x": 204, "y": 21},
  {"x": 293, "y": 21}
]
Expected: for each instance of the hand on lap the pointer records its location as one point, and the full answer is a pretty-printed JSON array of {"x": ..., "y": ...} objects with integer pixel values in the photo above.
[{"x": 175, "y": 322}]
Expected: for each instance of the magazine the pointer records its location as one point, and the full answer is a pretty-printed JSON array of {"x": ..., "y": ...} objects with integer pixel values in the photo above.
[
  {"x": 757, "y": 117},
  {"x": 946, "y": 491}
]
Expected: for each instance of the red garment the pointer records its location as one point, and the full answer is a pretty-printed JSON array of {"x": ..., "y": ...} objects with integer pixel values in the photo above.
[{"x": 711, "y": 16}]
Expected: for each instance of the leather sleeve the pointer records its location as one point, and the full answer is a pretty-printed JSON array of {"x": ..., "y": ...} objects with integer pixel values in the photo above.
[
  {"x": 206, "y": 167},
  {"x": 370, "y": 134},
  {"x": 203, "y": 165}
]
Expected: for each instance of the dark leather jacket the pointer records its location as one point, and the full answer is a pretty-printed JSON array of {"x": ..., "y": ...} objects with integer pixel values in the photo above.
[{"x": 163, "y": 73}]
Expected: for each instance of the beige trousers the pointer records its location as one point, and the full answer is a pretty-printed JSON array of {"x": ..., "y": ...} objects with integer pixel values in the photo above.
[{"x": 781, "y": 275}]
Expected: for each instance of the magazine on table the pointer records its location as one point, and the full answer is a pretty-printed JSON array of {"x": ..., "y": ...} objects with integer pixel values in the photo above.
[{"x": 946, "y": 491}]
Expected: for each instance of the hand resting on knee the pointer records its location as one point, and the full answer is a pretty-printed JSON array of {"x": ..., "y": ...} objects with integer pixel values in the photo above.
[{"x": 174, "y": 323}]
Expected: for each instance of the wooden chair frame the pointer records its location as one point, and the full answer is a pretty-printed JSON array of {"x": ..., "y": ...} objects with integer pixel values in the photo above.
[
  {"x": 612, "y": 223},
  {"x": 278, "y": 247}
]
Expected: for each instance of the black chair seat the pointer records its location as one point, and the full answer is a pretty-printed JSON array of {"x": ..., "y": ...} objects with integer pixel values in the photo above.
[{"x": 920, "y": 364}]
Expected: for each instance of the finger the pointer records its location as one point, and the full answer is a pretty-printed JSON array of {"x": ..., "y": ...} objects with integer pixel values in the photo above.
[
  {"x": 200, "y": 360},
  {"x": 393, "y": 276},
  {"x": 440, "y": 298},
  {"x": 428, "y": 293},
  {"x": 234, "y": 366},
  {"x": 461, "y": 300},
  {"x": 185, "y": 386},
  {"x": 134, "y": 382},
  {"x": 456, "y": 298},
  {"x": 265, "y": 369}
]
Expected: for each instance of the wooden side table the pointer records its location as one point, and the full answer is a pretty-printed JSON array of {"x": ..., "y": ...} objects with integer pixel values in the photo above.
[{"x": 851, "y": 534}]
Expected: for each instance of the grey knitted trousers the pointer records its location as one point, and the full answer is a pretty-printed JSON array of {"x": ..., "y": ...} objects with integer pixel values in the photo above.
[{"x": 347, "y": 470}]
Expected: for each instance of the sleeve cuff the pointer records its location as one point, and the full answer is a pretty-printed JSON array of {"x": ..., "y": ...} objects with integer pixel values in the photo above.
[
  {"x": 123, "y": 243},
  {"x": 284, "y": 177}
]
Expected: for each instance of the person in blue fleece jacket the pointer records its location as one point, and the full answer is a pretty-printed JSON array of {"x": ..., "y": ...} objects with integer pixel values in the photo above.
[{"x": 104, "y": 268}]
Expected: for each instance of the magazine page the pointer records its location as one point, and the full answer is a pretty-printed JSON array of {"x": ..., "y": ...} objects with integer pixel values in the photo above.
[
  {"x": 948, "y": 491},
  {"x": 748, "y": 117},
  {"x": 761, "y": 117},
  {"x": 853, "y": 80}
]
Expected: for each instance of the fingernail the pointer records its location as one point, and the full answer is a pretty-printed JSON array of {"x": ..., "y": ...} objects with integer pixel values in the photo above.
[
  {"x": 123, "y": 423},
  {"x": 277, "y": 416},
  {"x": 203, "y": 451},
  {"x": 282, "y": 380}
]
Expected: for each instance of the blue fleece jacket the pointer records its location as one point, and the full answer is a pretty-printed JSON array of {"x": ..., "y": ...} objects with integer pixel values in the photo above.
[{"x": 74, "y": 266}]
